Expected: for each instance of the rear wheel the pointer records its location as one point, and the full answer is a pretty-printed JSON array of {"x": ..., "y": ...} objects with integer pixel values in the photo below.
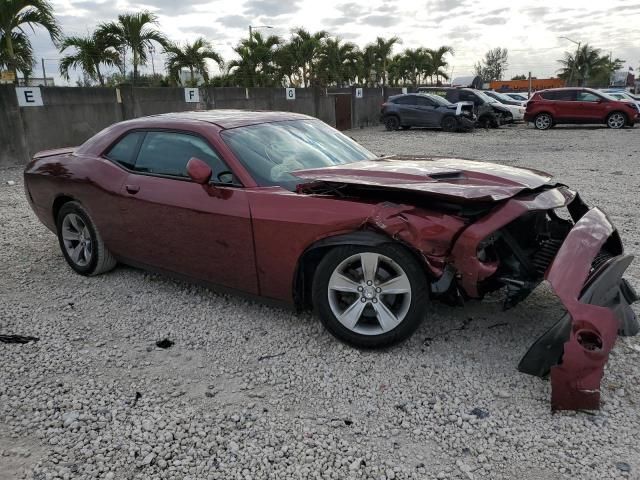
[
  {"x": 543, "y": 121},
  {"x": 449, "y": 123},
  {"x": 370, "y": 296},
  {"x": 616, "y": 120},
  {"x": 392, "y": 123},
  {"x": 80, "y": 241}
]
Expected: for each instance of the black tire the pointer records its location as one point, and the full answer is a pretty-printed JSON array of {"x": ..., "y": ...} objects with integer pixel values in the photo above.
[
  {"x": 415, "y": 305},
  {"x": 617, "y": 120},
  {"x": 449, "y": 123},
  {"x": 100, "y": 259},
  {"x": 391, "y": 123},
  {"x": 543, "y": 121},
  {"x": 485, "y": 121}
]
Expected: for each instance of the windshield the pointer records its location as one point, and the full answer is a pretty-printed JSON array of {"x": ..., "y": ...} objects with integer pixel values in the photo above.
[
  {"x": 270, "y": 151},
  {"x": 439, "y": 100},
  {"x": 486, "y": 97},
  {"x": 502, "y": 96}
]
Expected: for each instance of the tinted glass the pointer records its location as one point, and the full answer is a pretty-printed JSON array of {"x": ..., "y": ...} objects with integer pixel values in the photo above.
[
  {"x": 562, "y": 95},
  {"x": 424, "y": 102},
  {"x": 167, "y": 153},
  {"x": 587, "y": 97},
  {"x": 437, "y": 100},
  {"x": 270, "y": 151},
  {"x": 125, "y": 150},
  {"x": 408, "y": 100}
]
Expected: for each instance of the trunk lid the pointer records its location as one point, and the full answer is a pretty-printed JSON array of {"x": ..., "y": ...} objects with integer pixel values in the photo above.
[{"x": 450, "y": 178}]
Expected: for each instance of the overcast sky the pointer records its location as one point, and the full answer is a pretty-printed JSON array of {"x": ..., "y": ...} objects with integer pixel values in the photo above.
[{"x": 471, "y": 27}]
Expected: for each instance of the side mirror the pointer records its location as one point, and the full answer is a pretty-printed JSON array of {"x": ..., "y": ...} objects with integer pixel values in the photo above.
[{"x": 199, "y": 171}]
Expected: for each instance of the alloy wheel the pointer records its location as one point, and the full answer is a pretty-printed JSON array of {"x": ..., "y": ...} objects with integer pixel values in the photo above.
[
  {"x": 77, "y": 239},
  {"x": 616, "y": 120},
  {"x": 543, "y": 122},
  {"x": 369, "y": 293}
]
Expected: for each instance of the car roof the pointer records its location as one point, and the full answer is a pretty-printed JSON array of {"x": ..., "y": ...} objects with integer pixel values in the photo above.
[{"x": 229, "y": 118}]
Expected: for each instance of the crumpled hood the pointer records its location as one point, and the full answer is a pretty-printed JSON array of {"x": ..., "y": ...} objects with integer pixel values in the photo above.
[{"x": 451, "y": 178}]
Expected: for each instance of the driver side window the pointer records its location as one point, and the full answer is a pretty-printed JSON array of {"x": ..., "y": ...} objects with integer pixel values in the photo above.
[
  {"x": 167, "y": 153},
  {"x": 587, "y": 97}
]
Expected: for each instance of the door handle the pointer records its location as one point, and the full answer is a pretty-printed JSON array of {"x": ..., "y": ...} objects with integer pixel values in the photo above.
[{"x": 132, "y": 189}]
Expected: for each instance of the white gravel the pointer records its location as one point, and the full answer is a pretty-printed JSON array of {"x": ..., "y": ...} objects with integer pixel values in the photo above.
[{"x": 253, "y": 392}]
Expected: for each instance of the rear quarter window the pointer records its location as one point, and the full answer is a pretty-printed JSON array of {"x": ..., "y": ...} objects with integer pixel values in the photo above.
[
  {"x": 561, "y": 95},
  {"x": 124, "y": 151}
]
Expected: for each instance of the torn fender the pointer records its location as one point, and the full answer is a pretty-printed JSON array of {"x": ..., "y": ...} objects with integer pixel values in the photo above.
[{"x": 577, "y": 347}]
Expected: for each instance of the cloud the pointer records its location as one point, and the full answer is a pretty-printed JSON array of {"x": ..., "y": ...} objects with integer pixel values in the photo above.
[
  {"x": 461, "y": 32},
  {"x": 492, "y": 21},
  {"x": 234, "y": 21},
  {"x": 537, "y": 12},
  {"x": 167, "y": 7},
  {"x": 337, "y": 21},
  {"x": 383, "y": 21},
  {"x": 446, "y": 5},
  {"x": 271, "y": 8}
]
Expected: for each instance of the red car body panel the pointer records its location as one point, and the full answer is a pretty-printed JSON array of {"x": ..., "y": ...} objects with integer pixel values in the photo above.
[{"x": 255, "y": 239}]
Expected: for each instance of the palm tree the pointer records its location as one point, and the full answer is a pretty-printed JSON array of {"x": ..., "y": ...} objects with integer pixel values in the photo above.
[
  {"x": 338, "y": 61},
  {"x": 14, "y": 16},
  {"x": 192, "y": 56},
  {"x": 367, "y": 62},
  {"x": 23, "y": 54},
  {"x": 135, "y": 32},
  {"x": 382, "y": 49},
  {"x": 90, "y": 52},
  {"x": 306, "y": 48},
  {"x": 286, "y": 64},
  {"x": 255, "y": 67},
  {"x": 438, "y": 63},
  {"x": 588, "y": 63}
]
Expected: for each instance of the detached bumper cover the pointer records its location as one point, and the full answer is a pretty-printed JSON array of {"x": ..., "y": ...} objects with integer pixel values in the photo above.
[{"x": 597, "y": 300}]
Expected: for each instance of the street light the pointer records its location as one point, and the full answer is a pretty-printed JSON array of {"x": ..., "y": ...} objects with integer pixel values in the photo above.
[
  {"x": 575, "y": 60},
  {"x": 253, "y": 27}
]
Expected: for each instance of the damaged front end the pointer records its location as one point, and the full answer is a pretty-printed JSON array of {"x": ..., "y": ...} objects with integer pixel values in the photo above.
[{"x": 526, "y": 241}]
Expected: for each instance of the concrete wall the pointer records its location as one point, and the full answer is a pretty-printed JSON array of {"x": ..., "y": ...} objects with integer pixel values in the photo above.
[{"x": 70, "y": 116}]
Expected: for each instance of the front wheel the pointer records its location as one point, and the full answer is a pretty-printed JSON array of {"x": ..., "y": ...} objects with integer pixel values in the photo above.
[
  {"x": 449, "y": 123},
  {"x": 80, "y": 241},
  {"x": 543, "y": 121},
  {"x": 370, "y": 296},
  {"x": 616, "y": 120},
  {"x": 392, "y": 123}
]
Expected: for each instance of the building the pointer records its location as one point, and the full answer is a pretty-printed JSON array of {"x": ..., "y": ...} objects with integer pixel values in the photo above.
[{"x": 523, "y": 85}]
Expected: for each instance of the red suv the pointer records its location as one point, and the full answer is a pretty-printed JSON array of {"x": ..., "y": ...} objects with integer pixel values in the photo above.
[{"x": 547, "y": 108}]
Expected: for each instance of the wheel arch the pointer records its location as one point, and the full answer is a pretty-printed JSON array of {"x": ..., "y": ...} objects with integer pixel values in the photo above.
[
  {"x": 58, "y": 202},
  {"x": 312, "y": 255},
  {"x": 624, "y": 114}
]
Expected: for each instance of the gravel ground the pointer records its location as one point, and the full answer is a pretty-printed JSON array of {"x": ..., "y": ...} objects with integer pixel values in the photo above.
[{"x": 252, "y": 392}]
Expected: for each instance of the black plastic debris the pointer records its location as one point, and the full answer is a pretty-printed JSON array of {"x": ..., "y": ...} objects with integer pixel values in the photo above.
[
  {"x": 17, "y": 339},
  {"x": 165, "y": 343},
  {"x": 479, "y": 413}
]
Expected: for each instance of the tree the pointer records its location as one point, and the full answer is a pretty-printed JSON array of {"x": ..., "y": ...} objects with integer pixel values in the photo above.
[
  {"x": 306, "y": 48},
  {"x": 90, "y": 52},
  {"x": 135, "y": 32},
  {"x": 14, "y": 16},
  {"x": 256, "y": 67},
  {"x": 338, "y": 61},
  {"x": 192, "y": 56},
  {"x": 382, "y": 50},
  {"x": 519, "y": 77},
  {"x": 494, "y": 64},
  {"x": 438, "y": 63},
  {"x": 23, "y": 54},
  {"x": 588, "y": 66}
]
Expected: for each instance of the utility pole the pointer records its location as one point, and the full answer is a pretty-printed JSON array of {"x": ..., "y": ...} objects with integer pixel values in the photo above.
[
  {"x": 529, "y": 84},
  {"x": 152, "y": 50},
  {"x": 44, "y": 73}
]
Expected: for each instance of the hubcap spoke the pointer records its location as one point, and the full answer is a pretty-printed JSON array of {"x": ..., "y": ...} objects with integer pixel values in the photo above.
[
  {"x": 369, "y": 262},
  {"x": 342, "y": 284},
  {"x": 388, "y": 321},
  {"x": 76, "y": 251},
  {"x": 70, "y": 235},
  {"x": 396, "y": 286},
  {"x": 351, "y": 315}
]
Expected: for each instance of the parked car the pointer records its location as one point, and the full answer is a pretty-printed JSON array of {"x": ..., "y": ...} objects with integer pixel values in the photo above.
[
  {"x": 280, "y": 205},
  {"x": 623, "y": 96},
  {"x": 578, "y": 106},
  {"x": 423, "y": 110},
  {"x": 516, "y": 108},
  {"x": 520, "y": 96},
  {"x": 488, "y": 112},
  {"x": 504, "y": 99}
]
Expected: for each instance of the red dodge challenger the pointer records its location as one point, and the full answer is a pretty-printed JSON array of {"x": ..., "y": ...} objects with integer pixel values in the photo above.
[{"x": 282, "y": 206}]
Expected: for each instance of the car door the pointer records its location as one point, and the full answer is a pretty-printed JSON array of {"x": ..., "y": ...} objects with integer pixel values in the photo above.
[
  {"x": 563, "y": 105},
  {"x": 407, "y": 110},
  {"x": 590, "y": 108},
  {"x": 175, "y": 224},
  {"x": 427, "y": 112}
]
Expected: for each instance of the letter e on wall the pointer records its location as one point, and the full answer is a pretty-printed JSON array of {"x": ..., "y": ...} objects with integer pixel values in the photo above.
[{"x": 29, "y": 96}]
